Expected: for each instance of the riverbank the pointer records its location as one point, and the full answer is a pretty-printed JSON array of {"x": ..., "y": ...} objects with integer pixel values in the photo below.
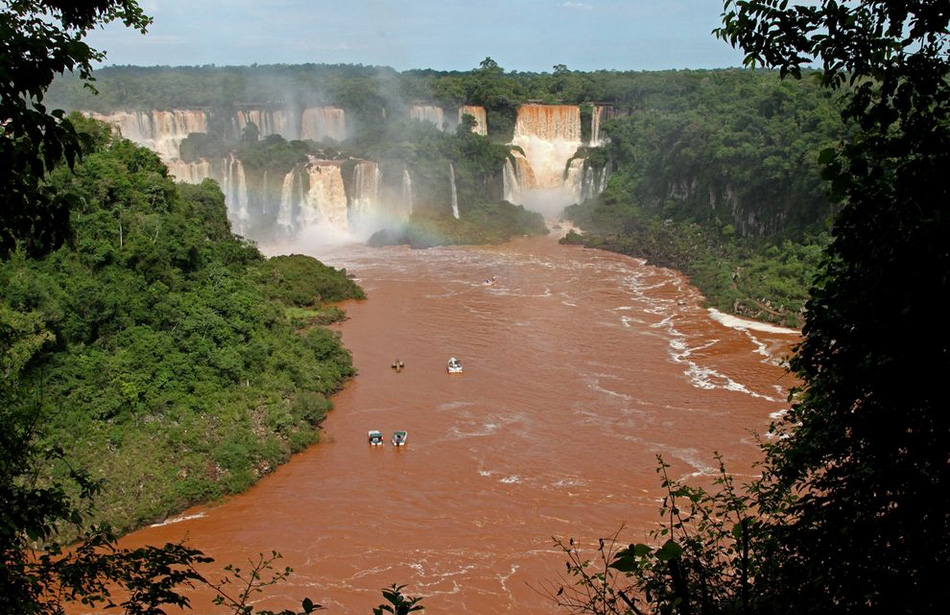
[{"x": 760, "y": 281}]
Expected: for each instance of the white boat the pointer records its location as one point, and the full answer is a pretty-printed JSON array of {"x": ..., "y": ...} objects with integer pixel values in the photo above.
[
  {"x": 375, "y": 437},
  {"x": 454, "y": 366},
  {"x": 490, "y": 281},
  {"x": 400, "y": 437}
]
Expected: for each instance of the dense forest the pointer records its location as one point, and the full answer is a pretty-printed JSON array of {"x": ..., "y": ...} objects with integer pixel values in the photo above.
[{"x": 158, "y": 336}]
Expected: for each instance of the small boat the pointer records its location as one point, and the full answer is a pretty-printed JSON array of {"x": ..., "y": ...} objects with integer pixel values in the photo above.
[
  {"x": 490, "y": 281},
  {"x": 376, "y": 437},
  {"x": 398, "y": 365},
  {"x": 454, "y": 366},
  {"x": 400, "y": 437}
]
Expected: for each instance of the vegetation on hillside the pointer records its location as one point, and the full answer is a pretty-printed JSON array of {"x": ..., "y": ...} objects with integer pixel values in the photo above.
[
  {"x": 167, "y": 341},
  {"x": 723, "y": 183}
]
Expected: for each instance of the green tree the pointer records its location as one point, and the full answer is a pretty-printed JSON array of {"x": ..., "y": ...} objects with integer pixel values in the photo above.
[
  {"x": 40, "y": 39},
  {"x": 867, "y": 440}
]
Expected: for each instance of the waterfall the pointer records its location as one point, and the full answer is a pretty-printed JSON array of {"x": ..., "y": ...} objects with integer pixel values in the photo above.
[
  {"x": 604, "y": 176},
  {"x": 574, "y": 177},
  {"x": 511, "y": 186},
  {"x": 235, "y": 193},
  {"x": 363, "y": 201},
  {"x": 596, "y": 113},
  {"x": 160, "y": 131},
  {"x": 190, "y": 172},
  {"x": 455, "y": 196},
  {"x": 264, "y": 199},
  {"x": 428, "y": 113},
  {"x": 549, "y": 136},
  {"x": 407, "y": 189},
  {"x": 549, "y": 122},
  {"x": 269, "y": 122},
  {"x": 285, "y": 215},
  {"x": 324, "y": 204},
  {"x": 478, "y": 112},
  {"x": 584, "y": 181},
  {"x": 318, "y": 123}
]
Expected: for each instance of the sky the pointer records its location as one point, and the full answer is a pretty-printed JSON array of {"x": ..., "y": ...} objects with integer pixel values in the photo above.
[{"x": 520, "y": 35}]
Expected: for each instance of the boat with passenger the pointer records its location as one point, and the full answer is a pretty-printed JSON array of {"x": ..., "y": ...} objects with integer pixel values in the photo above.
[
  {"x": 454, "y": 366},
  {"x": 490, "y": 281},
  {"x": 375, "y": 437},
  {"x": 400, "y": 437}
]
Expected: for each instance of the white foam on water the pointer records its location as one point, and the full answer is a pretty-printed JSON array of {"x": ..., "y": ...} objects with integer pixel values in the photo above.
[
  {"x": 742, "y": 324},
  {"x": 179, "y": 519}
]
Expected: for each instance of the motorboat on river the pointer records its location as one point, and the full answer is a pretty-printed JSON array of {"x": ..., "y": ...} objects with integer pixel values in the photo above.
[
  {"x": 490, "y": 281},
  {"x": 400, "y": 437},
  {"x": 375, "y": 438},
  {"x": 454, "y": 366}
]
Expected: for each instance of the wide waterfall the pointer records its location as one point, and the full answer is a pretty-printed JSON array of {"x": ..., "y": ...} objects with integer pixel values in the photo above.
[
  {"x": 428, "y": 113},
  {"x": 318, "y": 123},
  {"x": 547, "y": 176},
  {"x": 549, "y": 136},
  {"x": 160, "y": 131},
  {"x": 190, "y": 172},
  {"x": 356, "y": 198},
  {"x": 477, "y": 112},
  {"x": 269, "y": 122},
  {"x": 325, "y": 204}
]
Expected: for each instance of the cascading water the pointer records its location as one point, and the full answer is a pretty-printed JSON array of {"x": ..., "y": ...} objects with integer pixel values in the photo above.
[
  {"x": 428, "y": 113},
  {"x": 549, "y": 136},
  {"x": 407, "y": 190},
  {"x": 365, "y": 197},
  {"x": 160, "y": 131},
  {"x": 235, "y": 192},
  {"x": 574, "y": 178},
  {"x": 285, "y": 214},
  {"x": 596, "y": 113},
  {"x": 477, "y": 112},
  {"x": 547, "y": 177},
  {"x": 325, "y": 203},
  {"x": 269, "y": 122},
  {"x": 510, "y": 185},
  {"x": 190, "y": 172},
  {"x": 455, "y": 196},
  {"x": 318, "y": 123},
  {"x": 264, "y": 200}
]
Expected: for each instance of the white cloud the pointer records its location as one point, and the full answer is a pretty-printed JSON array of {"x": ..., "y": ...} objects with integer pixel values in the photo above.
[{"x": 577, "y": 5}]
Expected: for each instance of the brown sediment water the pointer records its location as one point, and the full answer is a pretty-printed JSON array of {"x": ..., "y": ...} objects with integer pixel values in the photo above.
[{"x": 580, "y": 366}]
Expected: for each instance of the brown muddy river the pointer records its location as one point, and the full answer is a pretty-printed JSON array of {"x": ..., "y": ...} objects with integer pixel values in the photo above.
[{"x": 580, "y": 367}]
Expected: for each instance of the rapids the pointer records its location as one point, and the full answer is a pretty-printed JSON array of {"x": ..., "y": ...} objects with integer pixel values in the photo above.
[{"x": 580, "y": 367}]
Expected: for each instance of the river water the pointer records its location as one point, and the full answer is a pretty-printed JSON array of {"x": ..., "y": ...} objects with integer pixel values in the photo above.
[{"x": 581, "y": 366}]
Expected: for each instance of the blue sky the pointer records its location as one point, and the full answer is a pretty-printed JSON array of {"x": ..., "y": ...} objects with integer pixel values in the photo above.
[{"x": 523, "y": 35}]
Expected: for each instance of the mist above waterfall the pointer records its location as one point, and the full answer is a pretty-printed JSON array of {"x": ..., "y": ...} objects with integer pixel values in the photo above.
[{"x": 286, "y": 169}]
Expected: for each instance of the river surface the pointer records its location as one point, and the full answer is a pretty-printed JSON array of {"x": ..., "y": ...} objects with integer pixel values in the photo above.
[{"x": 580, "y": 367}]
